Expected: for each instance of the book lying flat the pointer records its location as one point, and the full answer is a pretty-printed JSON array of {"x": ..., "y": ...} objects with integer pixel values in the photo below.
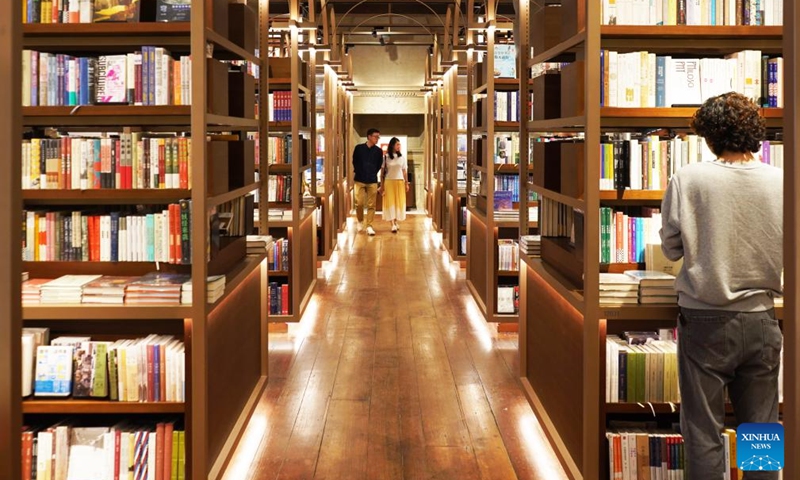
[{"x": 650, "y": 278}]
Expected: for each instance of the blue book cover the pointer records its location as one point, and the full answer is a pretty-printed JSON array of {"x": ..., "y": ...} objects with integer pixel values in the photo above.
[
  {"x": 150, "y": 229},
  {"x": 114, "y": 236},
  {"x": 661, "y": 64},
  {"x": 503, "y": 200},
  {"x": 505, "y": 60}
]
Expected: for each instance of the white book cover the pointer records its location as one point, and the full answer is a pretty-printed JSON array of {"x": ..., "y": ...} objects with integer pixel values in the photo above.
[
  {"x": 682, "y": 81},
  {"x": 112, "y": 86},
  {"x": 70, "y": 281},
  {"x": 53, "y": 375},
  {"x": 28, "y": 359},
  {"x": 505, "y": 299}
]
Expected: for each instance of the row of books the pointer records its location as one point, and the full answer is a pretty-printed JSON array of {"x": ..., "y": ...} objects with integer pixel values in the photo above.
[
  {"x": 126, "y": 161},
  {"x": 646, "y": 80},
  {"x": 278, "y": 255},
  {"x": 556, "y": 219},
  {"x": 642, "y": 367},
  {"x": 508, "y": 299},
  {"x": 279, "y": 106},
  {"x": 279, "y": 188},
  {"x": 147, "y": 77},
  {"x": 508, "y": 188},
  {"x": 647, "y": 163},
  {"x": 155, "y": 288},
  {"x": 695, "y": 12},
  {"x": 462, "y": 245},
  {"x": 507, "y": 255},
  {"x": 128, "y": 450},
  {"x": 506, "y": 148},
  {"x": 506, "y": 106},
  {"x": 279, "y": 300},
  {"x": 259, "y": 244},
  {"x": 652, "y": 454},
  {"x": 162, "y": 234},
  {"x": 640, "y": 286},
  {"x": 147, "y": 369},
  {"x": 280, "y": 149},
  {"x": 623, "y": 237}
]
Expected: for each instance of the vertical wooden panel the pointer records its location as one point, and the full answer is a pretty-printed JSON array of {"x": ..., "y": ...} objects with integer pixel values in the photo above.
[
  {"x": 791, "y": 237},
  {"x": 10, "y": 221}
]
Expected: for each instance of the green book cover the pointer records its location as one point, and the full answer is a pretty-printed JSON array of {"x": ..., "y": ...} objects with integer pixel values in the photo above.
[
  {"x": 113, "y": 382},
  {"x": 182, "y": 456},
  {"x": 99, "y": 369},
  {"x": 175, "y": 454}
]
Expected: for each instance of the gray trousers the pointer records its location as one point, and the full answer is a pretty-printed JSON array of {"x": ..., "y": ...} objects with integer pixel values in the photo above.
[{"x": 718, "y": 349}]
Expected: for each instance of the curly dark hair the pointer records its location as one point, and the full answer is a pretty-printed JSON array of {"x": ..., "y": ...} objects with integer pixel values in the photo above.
[{"x": 730, "y": 122}]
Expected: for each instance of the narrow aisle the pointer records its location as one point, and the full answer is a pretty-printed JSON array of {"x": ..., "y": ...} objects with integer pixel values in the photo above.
[{"x": 393, "y": 374}]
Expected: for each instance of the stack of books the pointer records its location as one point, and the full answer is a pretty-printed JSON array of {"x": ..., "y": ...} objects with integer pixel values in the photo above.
[
  {"x": 618, "y": 289},
  {"x": 157, "y": 289},
  {"x": 31, "y": 290},
  {"x": 309, "y": 201},
  {"x": 655, "y": 287},
  {"x": 67, "y": 289},
  {"x": 106, "y": 290},
  {"x": 215, "y": 288},
  {"x": 258, "y": 244},
  {"x": 531, "y": 245}
]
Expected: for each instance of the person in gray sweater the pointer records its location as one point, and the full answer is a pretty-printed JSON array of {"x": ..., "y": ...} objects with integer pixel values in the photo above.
[{"x": 725, "y": 218}]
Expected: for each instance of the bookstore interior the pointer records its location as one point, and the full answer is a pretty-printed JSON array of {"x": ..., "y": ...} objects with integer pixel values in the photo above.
[{"x": 143, "y": 174}]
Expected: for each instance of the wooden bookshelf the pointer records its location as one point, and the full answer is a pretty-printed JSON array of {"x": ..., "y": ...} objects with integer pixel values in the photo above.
[
  {"x": 554, "y": 311},
  {"x": 216, "y": 381},
  {"x": 291, "y": 72}
]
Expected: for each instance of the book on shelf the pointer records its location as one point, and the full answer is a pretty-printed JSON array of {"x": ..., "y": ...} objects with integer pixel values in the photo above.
[
  {"x": 106, "y": 290},
  {"x": 278, "y": 255},
  {"x": 463, "y": 245},
  {"x": 693, "y": 12},
  {"x": 215, "y": 289},
  {"x": 156, "y": 289},
  {"x": 646, "y": 80},
  {"x": 81, "y": 11},
  {"x": 641, "y": 372},
  {"x": 150, "y": 76},
  {"x": 259, "y": 244},
  {"x": 623, "y": 237},
  {"x": 503, "y": 200},
  {"x": 655, "y": 260},
  {"x": 506, "y": 107},
  {"x": 280, "y": 149},
  {"x": 135, "y": 160},
  {"x": 280, "y": 188},
  {"x": 508, "y": 299},
  {"x": 279, "y": 299},
  {"x": 507, "y": 255},
  {"x": 122, "y": 236},
  {"x": 173, "y": 11},
  {"x": 652, "y": 279},
  {"x": 279, "y": 106},
  {"x": 505, "y": 60},
  {"x": 69, "y": 451},
  {"x": 506, "y": 149},
  {"x": 67, "y": 289},
  {"x": 53, "y": 373},
  {"x": 530, "y": 245}
]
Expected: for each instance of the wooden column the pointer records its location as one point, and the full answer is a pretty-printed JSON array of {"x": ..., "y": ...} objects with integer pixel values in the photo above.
[{"x": 10, "y": 246}]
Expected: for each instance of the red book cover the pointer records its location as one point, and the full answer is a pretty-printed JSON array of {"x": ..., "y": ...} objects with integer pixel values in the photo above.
[
  {"x": 285, "y": 299},
  {"x": 167, "y": 473},
  {"x": 117, "y": 442},
  {"x": 98, "y": 165},
  {"x": 162, "y": 357},
  {"x": 160, "y": 452},
  {"x": 174, "y": 228},
  {"x": 27, "y": 455},
  {"x": 51, "y": 236},
  {"x": 96, "y": 235},
  {"x": 137, "y": 81}
]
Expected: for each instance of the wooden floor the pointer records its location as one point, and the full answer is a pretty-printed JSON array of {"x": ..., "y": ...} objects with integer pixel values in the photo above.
[{"x": 393, "y": 373}]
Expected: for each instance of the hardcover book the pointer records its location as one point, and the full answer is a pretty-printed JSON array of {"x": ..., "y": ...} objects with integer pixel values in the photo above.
[
  {"x": 53, "y": 371},
  {"x": 173, "y": 11},
  {"x": 116, "y": 10}
]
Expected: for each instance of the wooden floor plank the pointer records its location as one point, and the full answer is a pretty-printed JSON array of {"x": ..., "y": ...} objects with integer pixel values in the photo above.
[{"x": 343, "y": 454}]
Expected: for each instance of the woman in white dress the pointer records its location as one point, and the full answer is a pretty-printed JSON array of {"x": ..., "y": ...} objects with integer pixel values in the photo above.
[{"x": 395, "y": 184}]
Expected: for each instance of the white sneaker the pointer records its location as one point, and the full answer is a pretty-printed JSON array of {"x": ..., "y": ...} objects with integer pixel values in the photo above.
[
  {"x": 394, "y": 228},
  {"x": 370, "y": 231},
  {"x": 359, "y": 226}
]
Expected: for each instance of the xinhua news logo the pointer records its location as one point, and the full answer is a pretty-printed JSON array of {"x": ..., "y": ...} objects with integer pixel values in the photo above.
[{"x": 759, "y": 447}]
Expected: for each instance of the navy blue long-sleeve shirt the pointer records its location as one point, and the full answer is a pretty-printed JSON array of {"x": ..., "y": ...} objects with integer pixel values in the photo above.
[{"x": 367, "y": 162}]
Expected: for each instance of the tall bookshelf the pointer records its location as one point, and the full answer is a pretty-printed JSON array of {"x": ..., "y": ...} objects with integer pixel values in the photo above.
[
  {"x": 226, "y": 364},
  {"x": 560, "y": 300},
  {"x": 289, "y": 72},
  {"x": 436, "y": 152},
  {"x": 485, "y": 229},
  {"x": 10, "y": 202}
]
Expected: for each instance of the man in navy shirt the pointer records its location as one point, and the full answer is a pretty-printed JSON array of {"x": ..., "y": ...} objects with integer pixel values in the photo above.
[{"x": 367, "y": 162}]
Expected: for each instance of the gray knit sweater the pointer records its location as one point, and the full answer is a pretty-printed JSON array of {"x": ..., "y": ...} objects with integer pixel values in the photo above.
[{"x": 726, "y": 221}]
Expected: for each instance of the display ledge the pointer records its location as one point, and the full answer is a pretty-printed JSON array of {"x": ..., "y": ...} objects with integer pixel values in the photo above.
[
  {"x": 658, "y": 408},
  {"x": 71, "y": 36},
  {"x": 509, "y": 168},
  {"x": 72, "y": 406},
  {"x": 508, "y": 273},
  {"x": 504, "y": 318},
  {"x": 237, "y": 275},
  {"x": 557, "y": 281},
  {"x": 286, "y": 167},
  {"x": 577, "y": 203},
  {"x": 114, "y": 313},
  {"x": 304, "y": 214},
  {"x": 278, "y": 273},
  {"x": 231, "y": 195},
  {"x": 105, "y": 196},
  {"x": 286, "y": 127},
  {"x": 116, "y": 115},
  {"x": 568, "y": 46},
  {"x": 506, "y": 127}
]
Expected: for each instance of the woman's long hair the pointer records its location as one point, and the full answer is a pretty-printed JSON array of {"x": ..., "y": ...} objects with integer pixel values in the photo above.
[{"x": 390, "y": 148}]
